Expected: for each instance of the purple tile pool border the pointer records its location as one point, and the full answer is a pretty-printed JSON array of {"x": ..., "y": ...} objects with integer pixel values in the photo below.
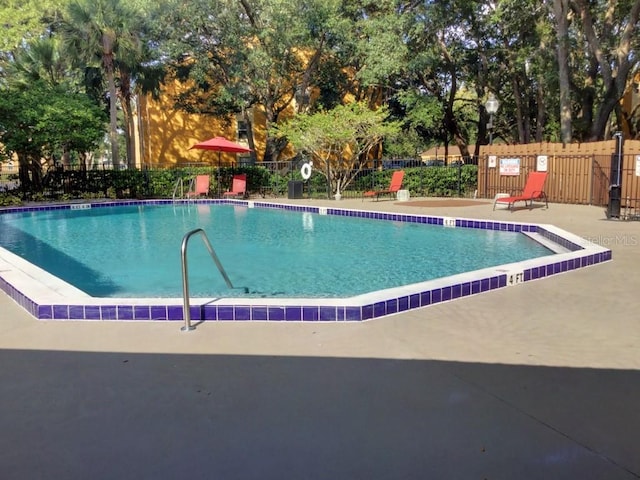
[{"x": 584, "y": 256}]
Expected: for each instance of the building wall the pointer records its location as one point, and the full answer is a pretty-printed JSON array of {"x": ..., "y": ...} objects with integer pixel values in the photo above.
[
  {"x": 631, "y": 109},
  {"x": 167, "y": 133}
]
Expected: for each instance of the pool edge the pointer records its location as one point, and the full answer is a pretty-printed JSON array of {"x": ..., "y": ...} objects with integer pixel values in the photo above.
[{"x": 581, "y": 254}]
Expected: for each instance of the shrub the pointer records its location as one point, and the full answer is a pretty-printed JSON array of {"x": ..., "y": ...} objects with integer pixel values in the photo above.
[
  {"x": 9, "y": 200},
  {"x": 160, "y": 183},
  {"x": 426, "y": 181}
]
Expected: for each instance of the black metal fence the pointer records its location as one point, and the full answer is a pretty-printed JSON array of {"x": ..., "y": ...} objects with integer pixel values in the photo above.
[
  {"x": 266, "y": 179},
  {"x": 421, "y": 179}
]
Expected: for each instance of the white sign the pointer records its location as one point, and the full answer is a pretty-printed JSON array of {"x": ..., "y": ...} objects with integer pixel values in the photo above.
[
  {"x": 510, "y": 166},
  {"x": 637, "y": 165},
  {"x": 541, "y": 164},
  {"x": 492, "y": 161}
]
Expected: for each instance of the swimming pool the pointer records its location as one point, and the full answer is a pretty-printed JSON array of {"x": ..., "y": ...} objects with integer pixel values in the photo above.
[
  {"x": 134, "y": 251},
  {"x": 47, "y": 297}
]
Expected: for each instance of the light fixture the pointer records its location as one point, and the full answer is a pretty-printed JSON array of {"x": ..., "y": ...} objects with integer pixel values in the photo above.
[{"x": 491, "y": 106}]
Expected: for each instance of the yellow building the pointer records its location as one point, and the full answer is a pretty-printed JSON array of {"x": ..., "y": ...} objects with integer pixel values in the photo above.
[
  {"x": 166, "y": 134},
  {"x": 631, "y": 109}
]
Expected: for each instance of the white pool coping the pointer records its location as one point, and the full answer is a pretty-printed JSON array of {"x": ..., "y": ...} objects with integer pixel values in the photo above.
[{"x": 47, "y": 297}]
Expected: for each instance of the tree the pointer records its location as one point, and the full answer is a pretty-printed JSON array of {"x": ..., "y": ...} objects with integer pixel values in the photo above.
[
  {"x": 340, "y": 141},
  {"x": 610, "y": 31},
  {"x": 520, "y": 68},
  {"x": 37, "y": 60},
  {"x": 247, "y": 56},
  {"x": 70, "y": 123},
  {"x": 561, "y": 13},
  {"x": 42, "y": 62},
  {"x": 418, "y": 52},
  {"x": 100, "y": 33},
  {"x": 40, "y": 123},
  {"x": 25, "y": 20}
]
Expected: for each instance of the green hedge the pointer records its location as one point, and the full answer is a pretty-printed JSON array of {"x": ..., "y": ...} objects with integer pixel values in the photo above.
[
  {"x": 67, "y": 185},
  {"x": 9, "y": 200},
  {"x": 427, "y": 181},
  {"x": 140, "y": 183}
]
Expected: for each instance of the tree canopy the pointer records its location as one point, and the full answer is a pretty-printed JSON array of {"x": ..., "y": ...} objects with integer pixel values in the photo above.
[
  {"x": 559, "y": 68},
  {"x": 43, "y": 122},
  {"x": 339, "y": 141}
]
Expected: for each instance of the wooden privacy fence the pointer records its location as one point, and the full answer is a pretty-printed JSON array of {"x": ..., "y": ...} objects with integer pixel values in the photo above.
[{"x": 577, "y": 173}]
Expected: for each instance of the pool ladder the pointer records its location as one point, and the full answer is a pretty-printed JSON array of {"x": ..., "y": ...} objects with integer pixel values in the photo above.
[
  {"x": 186, "y": 311},
  {"x": 179, "y": 187}
]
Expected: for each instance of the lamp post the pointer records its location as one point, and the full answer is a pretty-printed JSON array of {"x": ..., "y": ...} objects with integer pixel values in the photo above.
[{"x": 491, "y": 106}]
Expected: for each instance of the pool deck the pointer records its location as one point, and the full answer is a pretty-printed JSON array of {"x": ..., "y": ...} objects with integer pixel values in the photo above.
[{"x": 537, "y": 381}]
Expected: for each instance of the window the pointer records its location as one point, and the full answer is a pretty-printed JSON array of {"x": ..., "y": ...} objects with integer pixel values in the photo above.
[{"x": 243, "y": 130}]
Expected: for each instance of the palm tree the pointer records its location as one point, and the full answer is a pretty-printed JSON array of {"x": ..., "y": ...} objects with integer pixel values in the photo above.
[
  {"x": 39, "y": 60},
  {"x": 97, "y": 33},
  {"x": 138, "y": 74}
]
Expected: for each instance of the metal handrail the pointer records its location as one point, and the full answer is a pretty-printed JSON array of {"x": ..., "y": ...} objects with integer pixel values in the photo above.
[
  {"x": 180, "y": 184},
  {"x": 185, "y": 274}
]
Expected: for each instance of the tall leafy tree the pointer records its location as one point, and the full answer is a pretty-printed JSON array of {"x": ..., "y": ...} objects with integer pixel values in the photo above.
[
  {"x": 561, "y": 13},
  {"x": 597, "y": 55},
  {"x": 38, "y": 60},
  {"x": 41, "y": 62},
  {"x": 610, "y": 31},
  {"x": 25, "y": 20},
  {"x": 418, "y": 52},
  {"x": 99, "y": 33},
  {"x": 41, "y": 122},
  {"x": 523, "y": 69},
  {"x": 339, "y": 140},
  {"x": 247, "y": 55}
]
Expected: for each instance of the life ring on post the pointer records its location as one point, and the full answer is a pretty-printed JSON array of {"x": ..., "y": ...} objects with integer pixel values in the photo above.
[{"x": 305, "y": 170}]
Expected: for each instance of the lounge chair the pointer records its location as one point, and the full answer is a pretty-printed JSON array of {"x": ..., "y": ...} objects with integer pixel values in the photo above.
[
  {"x": 394, "y": 186},
  {"x": 238, "y": 186},
  {"x": 200, "y": 187},
  {"x": 533, "y": 190}
]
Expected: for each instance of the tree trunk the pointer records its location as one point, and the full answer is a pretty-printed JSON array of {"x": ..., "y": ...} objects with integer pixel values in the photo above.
[
  {"x": 481, "y": 87},
  {"x": 125, "y": 99},
  {"x": 113, "y": 119},
  {"x": 66, "y": 157},
  {"x": 450, "y": 121},
  {"x": 541, "y": 116},
  {"x": 601, "y": 121},
  {"x": 561, "y": 10},
  {"x": 247, "y": 116},
  {"x": 274, "y": 146},
  {"x": 23, "y": 173},
  {"x": 521, "y": 111}
]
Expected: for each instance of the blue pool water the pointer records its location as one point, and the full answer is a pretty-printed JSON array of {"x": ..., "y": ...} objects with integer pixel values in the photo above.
[{"x": 134, "y": 251}]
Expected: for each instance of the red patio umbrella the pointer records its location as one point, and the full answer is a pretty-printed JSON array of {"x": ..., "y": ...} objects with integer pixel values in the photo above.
[{"x": 220, "y": 144}]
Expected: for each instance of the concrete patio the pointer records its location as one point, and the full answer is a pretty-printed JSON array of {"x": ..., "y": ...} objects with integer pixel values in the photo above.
[{"x": 536, "y": 381}]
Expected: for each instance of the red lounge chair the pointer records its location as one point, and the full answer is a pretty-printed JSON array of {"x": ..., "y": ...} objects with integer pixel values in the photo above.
[
  {"x": 238, "y": 186},
  {"x": 394, "y": 186},
  {"x": 532, "y": 191},
  {"x": 201, "y": 187}
]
